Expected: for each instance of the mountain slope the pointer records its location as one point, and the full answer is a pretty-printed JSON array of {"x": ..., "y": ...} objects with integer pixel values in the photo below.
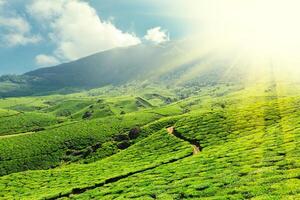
[
  {"x": 110, "y": 67},
  {"x": 170, "y": 64},
  {"x": 113, "y": 67}
]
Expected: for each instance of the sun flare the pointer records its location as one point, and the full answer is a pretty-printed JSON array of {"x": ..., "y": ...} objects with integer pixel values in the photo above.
[{"x": 256, "y": 27}]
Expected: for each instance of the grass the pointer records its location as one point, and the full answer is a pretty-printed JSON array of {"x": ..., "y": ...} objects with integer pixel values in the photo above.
[{"x": 14, "y": 123}]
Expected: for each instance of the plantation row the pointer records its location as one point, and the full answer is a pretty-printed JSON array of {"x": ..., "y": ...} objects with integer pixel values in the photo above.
[
  {"x": 25, "y": 122},
  {"x": 72, "y": 142},
  {"x": 23, "y": 103},
  {"x": 66, "y": 108},
  {"x": 111, "y": 106},
  {"x": 7, "y": 113},
  {"x": 153, "y": 151}
]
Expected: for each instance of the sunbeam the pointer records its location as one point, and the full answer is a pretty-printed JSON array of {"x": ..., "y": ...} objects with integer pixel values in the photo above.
[{"x": 258, "y": 29}]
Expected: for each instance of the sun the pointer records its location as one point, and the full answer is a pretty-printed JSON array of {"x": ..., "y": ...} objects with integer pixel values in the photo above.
[{"x": 264, "y": 27}]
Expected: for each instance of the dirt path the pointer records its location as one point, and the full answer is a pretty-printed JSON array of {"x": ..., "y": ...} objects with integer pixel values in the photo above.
[
  {"x": 15, "y": 135},
  {"x": 194, "y": 143},
  {"x": 47, "y": 128},
  {"x": 196, "y": 149}
]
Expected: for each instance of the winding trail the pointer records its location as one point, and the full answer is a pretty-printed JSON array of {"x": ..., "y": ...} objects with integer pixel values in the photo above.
[{"x": 194, "y": 143}]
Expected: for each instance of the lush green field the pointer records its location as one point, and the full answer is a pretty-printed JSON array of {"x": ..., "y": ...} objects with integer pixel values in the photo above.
[
  {"x": 157, "y": 149},
  {"x": 45, "y": 139},
  {"x": 7, "y": 113},
  {"x": 25, "y": 122},
  {"x": 67, "y": 143},
  {"x": 248, "y": 136},
  {"x": 254, "y": 154}
]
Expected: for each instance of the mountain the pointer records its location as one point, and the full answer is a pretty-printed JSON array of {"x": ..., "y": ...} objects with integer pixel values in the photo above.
[
  {"x": 111, "y": 67},
  {"x": 116, "y": 66},
  {"x": 169, "y": 63}
]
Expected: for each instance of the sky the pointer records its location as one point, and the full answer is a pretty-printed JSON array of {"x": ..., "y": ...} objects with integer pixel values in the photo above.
[{"x": 41, "y": 33}]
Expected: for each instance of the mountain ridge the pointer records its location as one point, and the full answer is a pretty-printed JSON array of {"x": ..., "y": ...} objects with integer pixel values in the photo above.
[
  {"x": 111, "y": 67},
  {"x": 170, "y": 64}
]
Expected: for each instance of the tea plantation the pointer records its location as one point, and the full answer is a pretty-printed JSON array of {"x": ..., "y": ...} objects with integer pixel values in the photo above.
[{"x": 95, "y": 146}]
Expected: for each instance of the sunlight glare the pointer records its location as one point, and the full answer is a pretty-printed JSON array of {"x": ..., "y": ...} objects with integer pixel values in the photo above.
[{"x": 255, "y": 27}]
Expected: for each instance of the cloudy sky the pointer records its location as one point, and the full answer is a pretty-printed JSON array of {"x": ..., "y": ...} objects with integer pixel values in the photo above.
[{"x": 39, "y": 33}]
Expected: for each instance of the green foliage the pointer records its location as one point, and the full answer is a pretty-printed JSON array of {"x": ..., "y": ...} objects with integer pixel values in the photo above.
[
  {"x": 51, "y": 146},
  {"x": 7, "y": 113},
  {"x": 25, "y": 122},
  {"x": 67, "y": 108},
  {"x": 142, "y": 155}
]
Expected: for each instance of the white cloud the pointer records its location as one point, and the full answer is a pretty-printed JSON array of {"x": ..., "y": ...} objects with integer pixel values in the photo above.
[
  {"x": 43, "y": 60},
  {"x": 46, "y": 10},
  {"x": 17, "y": 24},
  {"x": 15, "y": 39},
  {"x": 157, "y": 35},
  {"x": 77, "y": 30},
  {"x": 2, "y": 2},
  {"x": 15, "y": 30}
]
